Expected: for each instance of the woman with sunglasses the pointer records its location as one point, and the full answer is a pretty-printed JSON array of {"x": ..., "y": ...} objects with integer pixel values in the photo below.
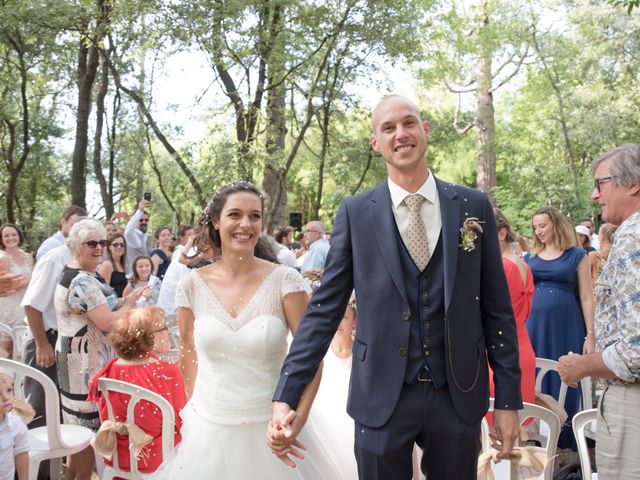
[
  {"x": 86, "y": 308},
  {"x": 137, "y": 338},
  {"x": 113, "y": 269}
]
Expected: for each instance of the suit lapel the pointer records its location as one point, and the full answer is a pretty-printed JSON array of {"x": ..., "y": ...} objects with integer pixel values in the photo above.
[
  {"x": 384, "y": 225},
  {"x": 450, "y": 213}
]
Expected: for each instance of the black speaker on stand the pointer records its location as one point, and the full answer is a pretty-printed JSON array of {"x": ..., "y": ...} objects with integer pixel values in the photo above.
[{"x": 295, "y": 220}]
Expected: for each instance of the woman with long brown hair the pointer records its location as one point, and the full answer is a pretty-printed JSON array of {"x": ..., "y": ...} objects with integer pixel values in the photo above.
[{"x": 558, "y": 322}]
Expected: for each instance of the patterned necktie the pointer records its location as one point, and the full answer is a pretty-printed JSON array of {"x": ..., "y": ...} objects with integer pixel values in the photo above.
[{"x": 417, "y": 242}]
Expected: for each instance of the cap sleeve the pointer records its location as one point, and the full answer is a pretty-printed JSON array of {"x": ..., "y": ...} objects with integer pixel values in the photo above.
[
  {"x": 293, "y": 282},
  {"x": 578, "y": 255},
  {"x": 183, "y": 290},
  {"x": 85, "y": 294}
]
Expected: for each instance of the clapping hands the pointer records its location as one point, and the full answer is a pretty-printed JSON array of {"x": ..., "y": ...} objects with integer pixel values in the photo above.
[{"x": 282, "y": 432}]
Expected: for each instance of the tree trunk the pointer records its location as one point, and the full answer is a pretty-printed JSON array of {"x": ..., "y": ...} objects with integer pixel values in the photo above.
[
  {"x": 274, "y": 173},
  {"x": 14, "y": 168},
  {"x": 88, "y": 59},
  {"x": 485, "y": 115},
  {"x": 106, "y": 194}
]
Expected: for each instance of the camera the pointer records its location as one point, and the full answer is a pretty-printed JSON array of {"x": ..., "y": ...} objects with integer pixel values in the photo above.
[{"x": 147, "y": 196}]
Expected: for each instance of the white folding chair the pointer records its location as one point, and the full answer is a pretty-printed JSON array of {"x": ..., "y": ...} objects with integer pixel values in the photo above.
[
  {"x": 55, "y": 440},
  {"x": 579, "y": 423},
  {"x": 137, "y": 394},
  {"x": 537, "y": 413},
  {"x": 19, "y": 341},
  {"x": 8, "y": 331},
  {"x": 546, "y": 365}
]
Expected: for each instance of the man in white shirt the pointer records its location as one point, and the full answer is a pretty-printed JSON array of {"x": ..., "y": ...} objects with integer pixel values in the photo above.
[
  {"x": 41, "y": 317},
  {"x": 282, "y": 235},
  {"x": 167, "y": 297},
  {"x": 69, "y": 217},
  {"x": 135, "y": 233}
]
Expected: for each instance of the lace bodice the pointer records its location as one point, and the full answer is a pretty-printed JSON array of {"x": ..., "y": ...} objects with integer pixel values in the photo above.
[{"x": 239, "y": 358}]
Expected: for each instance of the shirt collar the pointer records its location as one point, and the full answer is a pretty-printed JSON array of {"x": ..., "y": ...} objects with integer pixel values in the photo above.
[{"x": 427, "y": 190}]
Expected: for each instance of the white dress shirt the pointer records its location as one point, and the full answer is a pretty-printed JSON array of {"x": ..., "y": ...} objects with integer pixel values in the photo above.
[
  {"x": 167, "y": 297},
  {"x": 429, "y": 211},
  {"x": 136, "y": 239},
  {"x": 44, "y": 280},
  {"x": 55, "y": 240},
  {"x": 286, "y": 257}
]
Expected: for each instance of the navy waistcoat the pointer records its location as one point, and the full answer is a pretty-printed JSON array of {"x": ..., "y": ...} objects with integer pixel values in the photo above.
[{"x": 425, "y": 292}]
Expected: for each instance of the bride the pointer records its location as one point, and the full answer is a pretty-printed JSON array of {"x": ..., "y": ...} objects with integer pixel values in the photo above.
[{"x": 234, "y": 317}]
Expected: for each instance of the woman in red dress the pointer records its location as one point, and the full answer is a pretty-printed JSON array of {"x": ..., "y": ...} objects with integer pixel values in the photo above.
[
  {"x": 520, "y": 281},
  {"x": 137, "y": 337}
]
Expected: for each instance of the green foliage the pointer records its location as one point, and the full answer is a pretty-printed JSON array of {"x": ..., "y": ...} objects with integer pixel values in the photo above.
[{"x": 328, "y": 53}]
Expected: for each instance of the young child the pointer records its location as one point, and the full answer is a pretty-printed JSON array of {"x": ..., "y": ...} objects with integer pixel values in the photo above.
[
  {"x": 142, "y": 277},
  {"x": 14, "y": 441}
]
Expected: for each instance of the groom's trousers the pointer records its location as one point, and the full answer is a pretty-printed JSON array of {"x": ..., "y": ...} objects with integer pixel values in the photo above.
[{"x": 426, "y": 416}]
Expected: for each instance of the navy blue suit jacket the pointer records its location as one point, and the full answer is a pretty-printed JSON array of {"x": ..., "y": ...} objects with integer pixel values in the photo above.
[{"x": 479, "y": 321}]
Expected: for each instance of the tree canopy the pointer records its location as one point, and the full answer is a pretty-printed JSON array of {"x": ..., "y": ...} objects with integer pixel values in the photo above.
[{"x": 520, "y": 96}]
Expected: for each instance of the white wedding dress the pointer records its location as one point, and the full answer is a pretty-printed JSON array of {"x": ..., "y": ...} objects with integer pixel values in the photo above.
[{"x": 239, "y": 360}]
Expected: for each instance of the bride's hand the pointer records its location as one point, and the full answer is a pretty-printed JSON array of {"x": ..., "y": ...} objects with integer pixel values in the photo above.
[{"x": 282, "y": 432}]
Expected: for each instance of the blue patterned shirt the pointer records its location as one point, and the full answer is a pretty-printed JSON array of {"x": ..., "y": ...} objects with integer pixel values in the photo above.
[{"x": 618, "y": 303}]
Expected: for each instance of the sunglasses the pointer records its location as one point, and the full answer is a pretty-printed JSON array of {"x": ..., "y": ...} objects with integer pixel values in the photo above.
[
  {"x": 118, "y": 245},
  {"x": 95, "y": 243}
]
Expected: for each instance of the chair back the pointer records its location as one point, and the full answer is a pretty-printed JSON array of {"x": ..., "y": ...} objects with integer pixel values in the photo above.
[
  {"x": 137, "y": 394},
  {"x": 545, "y": 365},
  {"x": 19, "y": 338},
  {"x": 537, "y": 413},
  {"x": 579, "y": 424},
  {"x": 52, "y": 398}
]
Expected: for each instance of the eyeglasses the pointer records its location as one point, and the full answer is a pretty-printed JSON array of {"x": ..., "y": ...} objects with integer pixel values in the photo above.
[
  {"x": 95, "y": 243},
  {"x": 599, "y": 181},
  {"x": 118, "y": 245}
]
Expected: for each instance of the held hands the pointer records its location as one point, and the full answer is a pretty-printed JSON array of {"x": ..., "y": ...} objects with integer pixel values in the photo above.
[
  {"x": 506, "y": 429},
  {"x": 282, "y": 432}
]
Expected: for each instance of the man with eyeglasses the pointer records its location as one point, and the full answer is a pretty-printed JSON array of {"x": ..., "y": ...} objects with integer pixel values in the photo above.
[
  {"x": 617, "y": 325},
  {"x": 317, "y": 246},
  {"x": 135, "y": 233}
]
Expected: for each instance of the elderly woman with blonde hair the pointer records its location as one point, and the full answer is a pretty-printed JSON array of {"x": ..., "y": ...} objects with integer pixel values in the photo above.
[{"x": 86, "y": 308}]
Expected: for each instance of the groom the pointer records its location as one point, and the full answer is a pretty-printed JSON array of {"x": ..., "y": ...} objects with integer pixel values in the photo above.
[{"x": 433, "y": 305}]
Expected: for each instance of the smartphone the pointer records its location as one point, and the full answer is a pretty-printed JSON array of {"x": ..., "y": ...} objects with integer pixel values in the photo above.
[{"x": 147, "y": 196}]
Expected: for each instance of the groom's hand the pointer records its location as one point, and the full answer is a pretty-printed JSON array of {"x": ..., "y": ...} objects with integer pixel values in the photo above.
[
  {"x": 507, "y": 428},
  {"x": 281, "y": 434}
]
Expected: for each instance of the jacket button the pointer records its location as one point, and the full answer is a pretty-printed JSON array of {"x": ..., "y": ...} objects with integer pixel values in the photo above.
[
  {"x": 402, "y": 351},
  {"x": 405, "y": 315}
]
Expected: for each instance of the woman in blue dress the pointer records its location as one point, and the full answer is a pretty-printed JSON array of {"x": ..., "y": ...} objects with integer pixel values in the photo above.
[{"x": 558, "y": 322}]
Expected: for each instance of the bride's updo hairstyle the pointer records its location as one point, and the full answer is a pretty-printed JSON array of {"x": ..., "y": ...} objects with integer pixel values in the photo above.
[{"x": 207, "y": 238}]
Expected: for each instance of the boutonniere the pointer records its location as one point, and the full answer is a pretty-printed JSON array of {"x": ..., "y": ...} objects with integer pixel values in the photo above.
[{"x": 469, "y": 232}]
